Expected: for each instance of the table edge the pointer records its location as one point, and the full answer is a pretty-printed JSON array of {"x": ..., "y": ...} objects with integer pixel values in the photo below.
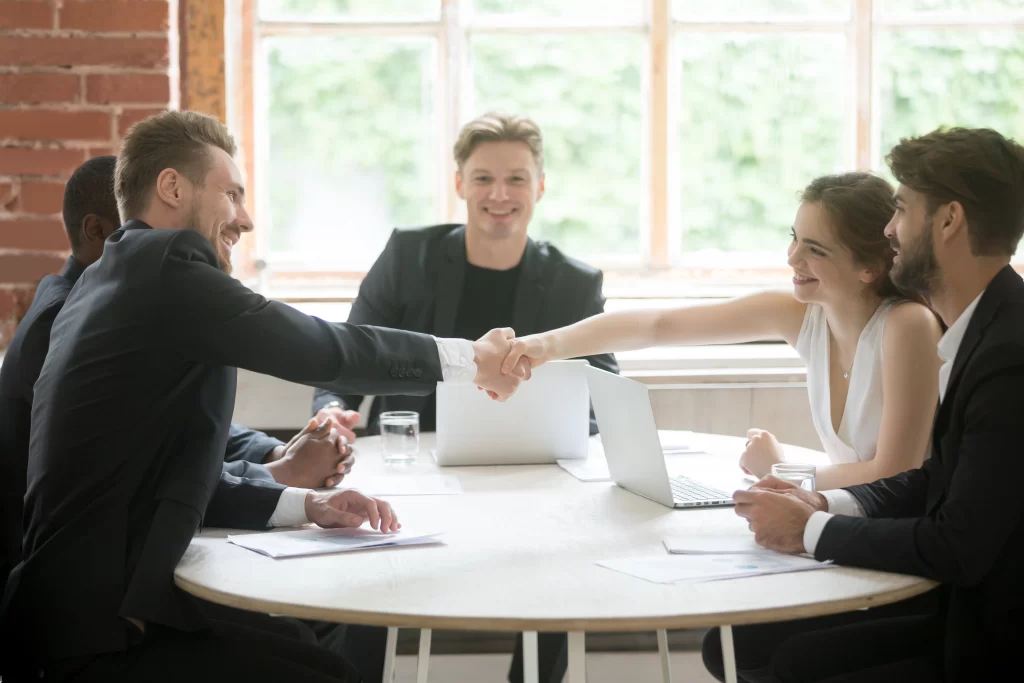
[{"x": 465, "y": 623}]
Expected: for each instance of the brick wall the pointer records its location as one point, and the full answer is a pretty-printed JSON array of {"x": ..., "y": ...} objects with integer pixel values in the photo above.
[{"x": 74, "y": 75}]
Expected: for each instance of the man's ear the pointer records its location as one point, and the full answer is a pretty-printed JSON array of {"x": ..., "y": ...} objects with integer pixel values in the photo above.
[
  {"x": 458, "y": 185},
  {"x": 540, "y": 187},
  {"x": 952, "y": 220},
  {"x": 93, "y": 229},
  {"x": 170, "y": 186}
]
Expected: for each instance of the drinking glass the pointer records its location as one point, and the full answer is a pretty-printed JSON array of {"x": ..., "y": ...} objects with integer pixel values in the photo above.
[
  {"x": 400, "y": 436},
  {"x": 801, "y": 475}
]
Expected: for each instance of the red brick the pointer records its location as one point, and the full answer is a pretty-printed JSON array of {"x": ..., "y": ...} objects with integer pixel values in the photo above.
[
  {"x": 130, "y": 117},
  {"x": 21, "y": 160},
  {"x": 100, "y": 152},
  {"x": 35, "y": 14},
  {"x": 8, "y": 198},
  {"x": 115, "y": 15},
  {"x": 43, "y": 124},
  {"x": 14, "y": 301},
  {"x": 36, "y": 88},
  {"x": 42, "y": 197},
  {"x": 8, "y": 304},
  {"x": 39, "y": 234},
  {"x": 150, "y": 88},
  {"x": 28, "y": 268},
  {"x": 142, "y": 53}
]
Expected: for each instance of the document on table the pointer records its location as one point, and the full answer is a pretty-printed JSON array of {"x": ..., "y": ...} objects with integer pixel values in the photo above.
[
  {"x": 714, "y": 545},
  {"x": 697, "y": 568},
  {"x": 595, "y": 466},
  {"x": 404, "y": 485},
  {"x": 323, "y": 541}
]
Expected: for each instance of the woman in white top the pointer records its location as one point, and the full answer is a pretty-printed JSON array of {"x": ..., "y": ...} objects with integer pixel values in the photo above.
[{"x": 872, "y": 363}]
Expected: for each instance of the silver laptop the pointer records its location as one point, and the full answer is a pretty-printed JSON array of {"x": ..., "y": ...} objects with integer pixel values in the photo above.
[
  {"x": 630, "y": 438},
  {"x": 547, "y": 419}
]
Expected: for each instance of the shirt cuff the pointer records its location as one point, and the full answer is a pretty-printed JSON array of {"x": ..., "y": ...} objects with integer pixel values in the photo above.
[
  {"x": 291, "y": 508},
  {"x": 842, "y": 502},
  {"x": 812, "y": 532},
  {"x": 457, "y": 364}
]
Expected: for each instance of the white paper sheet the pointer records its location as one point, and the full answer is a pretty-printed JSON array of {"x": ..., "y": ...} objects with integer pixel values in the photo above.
[
  {"x": 404, "y": 485},
  {"x": 695, "y": 568},
  {"x": 593, "y": 468},
  {"x": 714, "y": 545},
  {"x": 323, "y": 541}
]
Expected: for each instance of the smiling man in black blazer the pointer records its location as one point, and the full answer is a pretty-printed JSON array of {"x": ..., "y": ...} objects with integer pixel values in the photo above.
[
  {"x": 131, "y": 415},
  {"x": 958, "y": 519},
  {"x": 459, "y": 280}
]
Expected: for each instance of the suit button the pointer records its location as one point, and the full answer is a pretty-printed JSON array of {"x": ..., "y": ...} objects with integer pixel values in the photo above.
[
  {"x": 417, "y": 373},
  {"x": 394, "y": 372},
  {"x": 401, "y": 373}
]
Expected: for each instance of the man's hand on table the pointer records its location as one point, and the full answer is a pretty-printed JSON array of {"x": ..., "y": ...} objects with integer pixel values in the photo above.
[
  {"x": 777, "y": 512},
  {"x": 489, "y": 355},
  {"x": 318, "y": 456},
  {"x": 349, "y": 508}
]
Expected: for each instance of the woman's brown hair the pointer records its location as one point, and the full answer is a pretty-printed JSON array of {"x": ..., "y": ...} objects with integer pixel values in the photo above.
[{"x": 859, "y": 206}]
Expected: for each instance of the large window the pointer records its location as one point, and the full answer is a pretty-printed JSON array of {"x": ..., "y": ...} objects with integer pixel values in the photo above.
[{"x": 678, "y": 133}]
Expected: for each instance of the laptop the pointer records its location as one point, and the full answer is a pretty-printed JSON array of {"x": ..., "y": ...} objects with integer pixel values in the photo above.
[
  {"x": 630, "y": 438},
  {"x": 547, "y": 419}
]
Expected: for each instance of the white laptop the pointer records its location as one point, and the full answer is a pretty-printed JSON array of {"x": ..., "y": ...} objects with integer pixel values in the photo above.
[
  {"x": 630, "y": 438},
  {"x": 547, "y": 419}
]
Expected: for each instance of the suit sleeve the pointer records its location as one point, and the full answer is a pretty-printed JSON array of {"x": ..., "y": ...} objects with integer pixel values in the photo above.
[
  {"x": 593, "y": 305},
  {"x": 243, "y": 502},
  {"x": 376, "y": 304},
  {"x": 211, "y": 318},
  {"x": 248, "y": 445},
  {"x": 961, "y": 541}
]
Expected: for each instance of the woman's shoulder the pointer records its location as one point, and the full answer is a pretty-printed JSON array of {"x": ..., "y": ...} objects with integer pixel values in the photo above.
[
  {"x": 910, "y": 317},
  {"x": 912, "y": 326}
]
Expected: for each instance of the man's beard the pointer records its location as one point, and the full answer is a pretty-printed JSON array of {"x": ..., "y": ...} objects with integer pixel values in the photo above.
[
  {"x": 918, "y": 269},
  {"x": 223, "y": 259}
]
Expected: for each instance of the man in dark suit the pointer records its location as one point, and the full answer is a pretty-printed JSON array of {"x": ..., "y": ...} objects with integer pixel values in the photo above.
[
  {"x": 131, "y": 415},
  {"x": 463, "y": 280},
  {"x": 958, "y": 519},
  {"x": 311, "y": 459}
]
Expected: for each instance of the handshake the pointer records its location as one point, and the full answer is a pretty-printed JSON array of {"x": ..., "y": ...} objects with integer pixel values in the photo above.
[{"x": 503, "y": 362}]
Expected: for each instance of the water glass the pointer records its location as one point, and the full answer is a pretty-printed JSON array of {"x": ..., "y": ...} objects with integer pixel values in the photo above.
[
  {"x": 801, "y": 475},
  {"x": 400, "y": 436}
]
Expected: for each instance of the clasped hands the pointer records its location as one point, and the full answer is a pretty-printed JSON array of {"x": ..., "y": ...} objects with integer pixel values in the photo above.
[
  {"x": 503, "y": 361},
  {"x": 777, "y": 512}
]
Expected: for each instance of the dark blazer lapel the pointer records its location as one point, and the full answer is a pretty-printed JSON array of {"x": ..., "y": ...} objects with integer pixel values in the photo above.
[
  {"x": 529, "y": 291},
  {"x": 1002, "y": 285},
  {"x": 449, "y": 282}
]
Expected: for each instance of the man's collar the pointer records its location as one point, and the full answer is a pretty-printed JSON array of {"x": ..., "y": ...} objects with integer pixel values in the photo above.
[
  {"x": 72, "y": 270},
  {"x": 949, "y": 343}
]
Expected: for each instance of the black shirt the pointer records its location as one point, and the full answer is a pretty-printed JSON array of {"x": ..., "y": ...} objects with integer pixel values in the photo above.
[{"x": 488, "y": 301}]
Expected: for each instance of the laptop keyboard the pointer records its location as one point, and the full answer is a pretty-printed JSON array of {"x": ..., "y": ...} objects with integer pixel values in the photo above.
[{"x": 686, "y": 491}]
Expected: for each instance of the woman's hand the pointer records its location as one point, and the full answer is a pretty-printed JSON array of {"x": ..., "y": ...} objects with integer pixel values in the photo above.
[{"x": 763, "y": 451}]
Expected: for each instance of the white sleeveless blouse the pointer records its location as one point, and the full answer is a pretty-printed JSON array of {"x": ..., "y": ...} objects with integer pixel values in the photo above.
[{"x": 857, "y": 437}]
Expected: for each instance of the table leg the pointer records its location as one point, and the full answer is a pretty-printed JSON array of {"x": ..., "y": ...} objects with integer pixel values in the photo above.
[
  {"x": 728, "y": 654},
  {"x": 423, "y": 660},
  {"x": 666, "y": 666},
  {"x": 390, "y": 651},
  {"x": 530, "y": 665},
  {"x": 577, "y": 657}
]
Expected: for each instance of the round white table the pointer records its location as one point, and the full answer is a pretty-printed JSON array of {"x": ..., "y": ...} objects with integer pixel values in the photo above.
[{"x": 519, "y": 553}]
